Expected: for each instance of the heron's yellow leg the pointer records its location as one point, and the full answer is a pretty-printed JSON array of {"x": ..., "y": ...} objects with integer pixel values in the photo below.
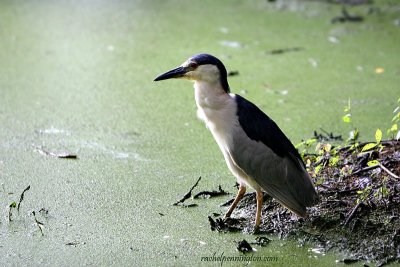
[
  {"x": 239, "y": 196},
  {"x": 259, "y": 197}
]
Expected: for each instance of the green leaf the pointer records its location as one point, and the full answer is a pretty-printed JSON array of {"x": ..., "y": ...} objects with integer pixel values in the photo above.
[
  {"x": 13, "y": 205},
  {"x": 333, "y": 161},
  {"x": 327, "y": 147},
  {"x": 346, "y": 118},
  {"x": 396, "y": 117},
  {"x": 368, "y": 147},
  {"x": 299, "y": 145},
  {"x": 319, "y": 182},
  {"x": 372, "y": 163},
  {"x": 391, "y": 132},
  {"x": 353, "y": 135},
  {"x": 318, "y": 169},
  {"x": 311, "y": 141},
  {"x": 378, "y": 136}
]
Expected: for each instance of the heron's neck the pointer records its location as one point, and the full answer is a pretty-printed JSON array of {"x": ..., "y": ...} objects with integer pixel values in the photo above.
[{"x": 210, "y": 95}]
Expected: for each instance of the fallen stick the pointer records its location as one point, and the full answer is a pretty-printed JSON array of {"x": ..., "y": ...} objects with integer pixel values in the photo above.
[
  {"x": 388, "y": 171},
  {"x": 38, "y": 223},
  {"x": 214, "y": 193},
  {"x": 61, "y": 155},
  {"x": 353, "y": 213},
  {"x": 188, "y": 194},
  {"x": 365, "y": 169},
  {"x": 22, "y": 197}
]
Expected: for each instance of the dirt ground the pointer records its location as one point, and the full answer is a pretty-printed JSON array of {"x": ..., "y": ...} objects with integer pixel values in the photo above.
[{"x": 358, "y": 213}]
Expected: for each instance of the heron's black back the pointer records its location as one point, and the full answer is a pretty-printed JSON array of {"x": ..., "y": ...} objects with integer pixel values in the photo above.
[{"x": 259, "y": 127}]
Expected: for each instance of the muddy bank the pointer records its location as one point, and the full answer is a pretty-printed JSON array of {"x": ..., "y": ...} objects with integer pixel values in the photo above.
[{"x": 358, "y": 213}]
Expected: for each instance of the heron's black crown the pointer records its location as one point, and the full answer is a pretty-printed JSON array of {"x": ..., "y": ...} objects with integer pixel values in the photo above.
[{"x": 204, "y": 59}]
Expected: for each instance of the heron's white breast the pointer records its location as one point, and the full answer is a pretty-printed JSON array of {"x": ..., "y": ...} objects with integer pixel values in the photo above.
[{"x": 218, "y": 110}]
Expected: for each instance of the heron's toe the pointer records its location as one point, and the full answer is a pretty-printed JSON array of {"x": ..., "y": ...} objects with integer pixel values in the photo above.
[{"x": 256, "y": 230}]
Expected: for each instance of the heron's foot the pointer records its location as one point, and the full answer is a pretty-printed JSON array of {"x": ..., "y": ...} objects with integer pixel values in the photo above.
[
  {"x": 252, "y": 230},
  {"x": 231, "y": 221},
  {"x": 256, "y": 230}
]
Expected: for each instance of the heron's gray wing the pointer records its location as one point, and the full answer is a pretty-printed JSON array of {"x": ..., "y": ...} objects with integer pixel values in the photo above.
[
  {"x": 259, "y": 127},
  {"x": 265, "y": 154}
]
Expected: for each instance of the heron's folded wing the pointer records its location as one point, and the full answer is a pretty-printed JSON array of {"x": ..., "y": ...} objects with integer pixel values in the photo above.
[
  {"x": 265, "y": 154},
  {"x": 259, "y": 127}
]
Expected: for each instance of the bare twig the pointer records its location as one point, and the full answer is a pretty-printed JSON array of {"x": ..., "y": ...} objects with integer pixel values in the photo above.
[
  {"x": 61, "y": 155},
  {"x": 73, "y": 243},
  {"x": 22, "y": 196},
  {"x": 328, "y": 136},
  {"x": 352, "y": 213},
  {"x": 364, "y": 169},
  {"x": 214, "y": 193},
  {"x": 336, "y": 191},
  {"x": 284, "y": 50},
  {"x": 39, "y": 224},
  {"x": 388, "y": 171},
  {"x": 380, "y": 165},
  {"x": 13, "y": 205},
  {"x": 347, "y": 17},
  {"x": 188, "y": 194}
]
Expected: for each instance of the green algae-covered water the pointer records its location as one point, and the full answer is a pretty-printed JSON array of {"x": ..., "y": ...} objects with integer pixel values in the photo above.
[{"x": 76, "y": 77}]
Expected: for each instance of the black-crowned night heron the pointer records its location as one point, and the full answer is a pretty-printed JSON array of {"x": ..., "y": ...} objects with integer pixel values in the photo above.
[{"x": 256, "y": 151}]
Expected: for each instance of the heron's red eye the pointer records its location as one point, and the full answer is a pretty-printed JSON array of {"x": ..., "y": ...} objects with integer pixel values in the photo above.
[{"x": 193, "y": 65}]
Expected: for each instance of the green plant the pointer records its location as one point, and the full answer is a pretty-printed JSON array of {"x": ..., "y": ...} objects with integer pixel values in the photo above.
[
  {"x": 382, "y": 192},
  {"x": 394, "y": 132},
  {"x": 305, "y": 145},
  {"x": 327, "y": 154},
  {"x": 378, "y": 139},
  {"x": 347, "y": 118},
  {"x": 364, "y": 193},
  {"x": 13, "y": 205}
]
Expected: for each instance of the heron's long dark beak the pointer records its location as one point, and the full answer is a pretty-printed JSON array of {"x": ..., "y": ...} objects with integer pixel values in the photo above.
[{"x": 175, "y": 73}]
